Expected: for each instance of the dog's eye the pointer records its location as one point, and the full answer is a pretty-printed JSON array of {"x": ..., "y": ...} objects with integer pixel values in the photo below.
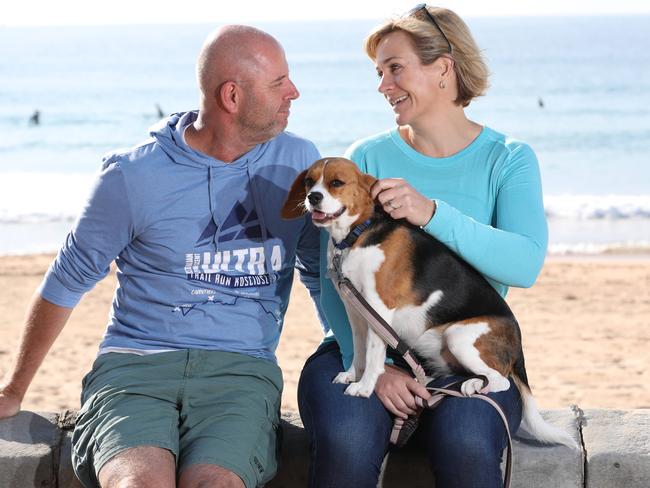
[
  {"x": 309, "y": 182},
  {"x": 336, "y": 183}
]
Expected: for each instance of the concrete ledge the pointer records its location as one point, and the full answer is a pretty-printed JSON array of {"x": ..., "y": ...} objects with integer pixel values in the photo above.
[
  {"x": 617, "y": 445},
  {"x": 30, "y": 450},
  {"x": 615, "y": 453},
  {"x": 534, "y": 465}
]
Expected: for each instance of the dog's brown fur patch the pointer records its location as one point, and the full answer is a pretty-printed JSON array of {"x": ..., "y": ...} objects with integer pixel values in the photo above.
[
  {"x": 500, "y": 347},
  {"x": 394, "y": 279}
]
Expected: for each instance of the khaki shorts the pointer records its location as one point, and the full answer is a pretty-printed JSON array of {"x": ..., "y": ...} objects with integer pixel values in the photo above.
[{"x": 206, "y": 407}]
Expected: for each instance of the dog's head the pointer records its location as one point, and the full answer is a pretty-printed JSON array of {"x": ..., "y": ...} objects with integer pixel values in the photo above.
[{"x": 334, "y": 191}]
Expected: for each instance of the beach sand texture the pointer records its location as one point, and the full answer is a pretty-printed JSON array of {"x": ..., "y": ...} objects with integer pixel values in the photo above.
[{"x": 585, "y": 325}]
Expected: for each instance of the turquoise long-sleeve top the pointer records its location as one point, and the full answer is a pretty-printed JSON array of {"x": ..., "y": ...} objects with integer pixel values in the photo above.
[{"x": 490, "y": 210}]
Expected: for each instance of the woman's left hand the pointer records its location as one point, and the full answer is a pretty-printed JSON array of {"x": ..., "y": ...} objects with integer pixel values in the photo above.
[
  {"x": 396, "y": 390},
  {"x": 402, "y": 201}
]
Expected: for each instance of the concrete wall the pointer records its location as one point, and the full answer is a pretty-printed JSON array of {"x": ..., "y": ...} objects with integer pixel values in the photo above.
[{"x": 615, "y": 453}]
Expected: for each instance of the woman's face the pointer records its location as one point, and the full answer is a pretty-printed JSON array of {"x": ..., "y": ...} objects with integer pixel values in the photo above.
[{"x": 409, "y": 86}]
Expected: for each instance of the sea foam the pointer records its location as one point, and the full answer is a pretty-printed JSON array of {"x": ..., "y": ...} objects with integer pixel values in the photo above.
[
  {"x": 597, "y": 206},
  {"x": 42, "y": 197}
]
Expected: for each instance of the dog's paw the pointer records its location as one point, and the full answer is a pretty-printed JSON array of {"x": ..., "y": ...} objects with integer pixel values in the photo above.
[
  {"x": 471, "y": 386},
  {"x": 497, "y": 383},
  {"x": 358, "y": 390},
  {"x": 346, "y": 377}
]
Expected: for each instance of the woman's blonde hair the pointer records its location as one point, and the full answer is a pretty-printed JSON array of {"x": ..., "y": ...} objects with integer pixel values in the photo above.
[{"x": 430, "y": 43}]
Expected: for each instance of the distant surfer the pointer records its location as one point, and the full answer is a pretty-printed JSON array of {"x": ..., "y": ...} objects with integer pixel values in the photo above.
[
  {"x": 540, "y": 102},
  {"x": 161, "y": 114},
  {"x": 35, "y": 119}
]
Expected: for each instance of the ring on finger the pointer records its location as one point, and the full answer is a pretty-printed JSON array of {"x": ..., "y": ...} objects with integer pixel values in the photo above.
[{"x": 391, "y": 206}]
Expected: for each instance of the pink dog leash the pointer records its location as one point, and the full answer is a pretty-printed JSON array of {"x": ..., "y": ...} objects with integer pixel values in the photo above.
[{"x": 383, "y": 330}]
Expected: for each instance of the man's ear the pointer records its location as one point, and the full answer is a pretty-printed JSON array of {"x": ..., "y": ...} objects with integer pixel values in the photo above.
[
  {"x": 228, "y": 94},
  {"x": 294, "y": 206}
]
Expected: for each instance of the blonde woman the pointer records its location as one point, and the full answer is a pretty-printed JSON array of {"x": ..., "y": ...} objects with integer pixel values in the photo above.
[{"x": 475, "y": 190}]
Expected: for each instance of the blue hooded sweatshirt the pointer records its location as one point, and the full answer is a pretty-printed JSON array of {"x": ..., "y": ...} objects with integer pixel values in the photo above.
[{"x": 203, "y": 258}]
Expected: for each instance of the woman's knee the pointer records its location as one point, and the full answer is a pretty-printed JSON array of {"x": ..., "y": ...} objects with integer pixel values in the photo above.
[
  {"x": 466, "y": 423},
  {"x": 461, "y": 444},
  {"x": 350, "y": 439},
  {"x": 348, "y": 435},
  {"x": 342, "y": 457},
  {"x": 465, "y": 438},
  {"x": 347, "y": 442}
]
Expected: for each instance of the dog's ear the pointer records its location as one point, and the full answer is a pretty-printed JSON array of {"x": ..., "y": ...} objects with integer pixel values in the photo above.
[
  {"x": 367, "y": 181},
  {"x": 294, "y": 206}
]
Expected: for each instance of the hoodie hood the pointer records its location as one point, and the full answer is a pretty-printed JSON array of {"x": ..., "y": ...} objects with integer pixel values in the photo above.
[{"x": 169, "y": 133}]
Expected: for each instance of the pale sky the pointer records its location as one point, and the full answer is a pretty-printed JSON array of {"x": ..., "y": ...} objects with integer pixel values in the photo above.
[{"x": 93, "y": 12}]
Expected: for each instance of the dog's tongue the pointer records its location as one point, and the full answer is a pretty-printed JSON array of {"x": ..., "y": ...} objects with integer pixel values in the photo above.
[{"x": 318, "y": 216}]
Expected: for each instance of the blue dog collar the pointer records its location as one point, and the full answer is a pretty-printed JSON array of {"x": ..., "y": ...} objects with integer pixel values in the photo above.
[{"x": 352, "y": 237}]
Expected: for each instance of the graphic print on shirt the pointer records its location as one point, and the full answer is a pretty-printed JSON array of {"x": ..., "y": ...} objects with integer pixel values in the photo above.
[{"x": 235, "y": 267}]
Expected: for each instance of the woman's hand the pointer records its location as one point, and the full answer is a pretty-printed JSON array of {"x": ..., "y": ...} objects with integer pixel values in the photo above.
[
  {"x": 397, "y": 390},
  {"x": 402, "y": 201}
]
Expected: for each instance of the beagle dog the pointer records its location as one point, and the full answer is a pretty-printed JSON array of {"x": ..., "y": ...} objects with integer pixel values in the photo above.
[{"x": 437, "y": 303}]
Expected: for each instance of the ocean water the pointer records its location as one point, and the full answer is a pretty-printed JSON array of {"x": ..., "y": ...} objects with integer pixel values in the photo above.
[{"x": 97, "y": 88}]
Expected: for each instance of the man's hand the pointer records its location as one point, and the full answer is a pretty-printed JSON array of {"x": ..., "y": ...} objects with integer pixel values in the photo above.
[
  {"x": 402, "y": 201},
  {"x": 397, "y": 390},
  {"x": 9, "y": 404},
  {"x": 43, "y": 323}
]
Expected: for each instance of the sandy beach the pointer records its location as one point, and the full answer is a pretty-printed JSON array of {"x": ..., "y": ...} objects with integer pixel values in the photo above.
[{"x": 585, "y": 325}]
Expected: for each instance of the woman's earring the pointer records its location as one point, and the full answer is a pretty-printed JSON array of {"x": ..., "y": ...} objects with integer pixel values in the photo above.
[{"x": 442, "y": 84}]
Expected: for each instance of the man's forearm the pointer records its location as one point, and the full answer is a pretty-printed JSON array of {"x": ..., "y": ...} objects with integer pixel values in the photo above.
[{"x": 43, "y": 323}]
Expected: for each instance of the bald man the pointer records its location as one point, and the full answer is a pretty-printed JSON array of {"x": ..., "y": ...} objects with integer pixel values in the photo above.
[{"x": 186, "y": 386}]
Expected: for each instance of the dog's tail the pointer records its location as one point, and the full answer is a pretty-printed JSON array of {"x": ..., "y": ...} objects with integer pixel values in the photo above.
[{"x": 532, "y": 421}]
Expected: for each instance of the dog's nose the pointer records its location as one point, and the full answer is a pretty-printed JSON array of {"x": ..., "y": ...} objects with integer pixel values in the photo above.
[{"x": 315, "y": 197}]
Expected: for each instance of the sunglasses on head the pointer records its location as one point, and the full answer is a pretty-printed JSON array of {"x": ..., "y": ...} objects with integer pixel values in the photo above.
[{"x": 421, "y": 12}]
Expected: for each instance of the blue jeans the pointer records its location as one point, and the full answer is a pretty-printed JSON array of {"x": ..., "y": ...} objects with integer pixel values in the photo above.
[{"x": 349, "y": 436}]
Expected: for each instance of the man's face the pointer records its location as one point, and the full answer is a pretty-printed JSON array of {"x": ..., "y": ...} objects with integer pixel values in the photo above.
[{"x": 267, "y": 97}]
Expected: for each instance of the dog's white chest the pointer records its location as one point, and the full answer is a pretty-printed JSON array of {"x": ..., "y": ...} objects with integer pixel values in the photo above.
[{"x": 359, "y": 265}]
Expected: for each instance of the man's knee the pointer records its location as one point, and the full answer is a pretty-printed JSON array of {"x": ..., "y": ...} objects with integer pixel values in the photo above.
[
  {"x": 142, "y": 467},
  {"x": 209, "y": 476}
]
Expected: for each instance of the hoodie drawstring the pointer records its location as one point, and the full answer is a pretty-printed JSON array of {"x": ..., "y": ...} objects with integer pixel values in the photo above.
[
  {"x": 260, "y": 216},
  {"x": 211, "y": 206}
]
